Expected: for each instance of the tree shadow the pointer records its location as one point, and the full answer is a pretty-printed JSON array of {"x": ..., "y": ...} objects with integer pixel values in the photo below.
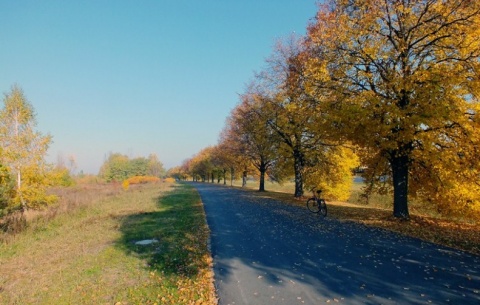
[{"x": 175, "y": 249}]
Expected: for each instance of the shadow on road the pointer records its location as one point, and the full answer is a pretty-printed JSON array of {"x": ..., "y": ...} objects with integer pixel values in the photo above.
[{"x": 266, "y": 252}]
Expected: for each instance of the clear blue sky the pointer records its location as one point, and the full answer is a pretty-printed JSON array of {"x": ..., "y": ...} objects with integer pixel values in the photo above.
[{"x": 138, "y": 77}]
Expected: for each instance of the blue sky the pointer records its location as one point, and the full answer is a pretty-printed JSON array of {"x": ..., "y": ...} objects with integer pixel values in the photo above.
[{"x": 138, "y": 77}]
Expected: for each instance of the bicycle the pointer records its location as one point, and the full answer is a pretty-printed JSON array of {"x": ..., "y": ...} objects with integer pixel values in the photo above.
[{"x": 317, "y": 204}]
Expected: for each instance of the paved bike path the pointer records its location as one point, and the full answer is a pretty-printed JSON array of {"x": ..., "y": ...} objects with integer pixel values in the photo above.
[{"x": 265, "y": 252}]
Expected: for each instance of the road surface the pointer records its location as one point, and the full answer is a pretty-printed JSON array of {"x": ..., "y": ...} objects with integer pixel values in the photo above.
[{"x": 266, "y": 252}]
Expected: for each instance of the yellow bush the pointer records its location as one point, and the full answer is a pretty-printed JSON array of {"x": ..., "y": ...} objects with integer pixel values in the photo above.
[
  {"x": 169, "y": 180},
  {"x": 142, "y": 179}
]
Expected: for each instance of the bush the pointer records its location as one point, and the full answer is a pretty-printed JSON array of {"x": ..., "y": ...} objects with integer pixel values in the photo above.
[{"x": 142, "y": 180}]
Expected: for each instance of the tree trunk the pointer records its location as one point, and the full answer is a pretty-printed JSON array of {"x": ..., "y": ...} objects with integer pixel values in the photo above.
[
  {"x": 244, "y": 179},
  {"x": 263, "y": 169},
  {"x": 232, "y": 172},
  {"x": 224, "y": 176},
  {"x": 19, "y": 179},
  {"x": 399, "y": 163},
  {"x": 298, "y": 167},
  {"x": 19, "y": 190}
]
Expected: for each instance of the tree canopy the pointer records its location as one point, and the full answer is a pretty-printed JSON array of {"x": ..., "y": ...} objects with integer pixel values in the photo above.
[{"x": 403, "y": 77}]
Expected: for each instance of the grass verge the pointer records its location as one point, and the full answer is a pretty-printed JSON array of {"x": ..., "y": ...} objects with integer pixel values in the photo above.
[{"x": 89, "y": 255}]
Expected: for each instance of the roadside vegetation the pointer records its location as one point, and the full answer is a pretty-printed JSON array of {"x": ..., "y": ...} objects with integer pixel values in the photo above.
[{"x": 84, "y": 250}]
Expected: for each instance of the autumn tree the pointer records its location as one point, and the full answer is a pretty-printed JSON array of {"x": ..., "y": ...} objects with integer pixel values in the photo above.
[
  {"x": 251, "y": 137},
  {"x": 222, "y": 161},
  {"x": 177, "y": 173},
  {"x": 307, "y": 134},
  {"x": 404, "y": 76},
  {"x": 233, "y": 159},
  {"x": 23, "y": 150},
  {"x": 201, "y": 165}
]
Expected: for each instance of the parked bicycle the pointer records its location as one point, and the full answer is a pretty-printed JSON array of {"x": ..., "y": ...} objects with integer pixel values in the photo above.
[{"x": 316, "y": 204}]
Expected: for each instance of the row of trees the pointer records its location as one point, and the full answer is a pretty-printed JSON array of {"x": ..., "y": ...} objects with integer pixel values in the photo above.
[
  {"x": 118, "y": 167},
  {"x": 394, "y": 83}
]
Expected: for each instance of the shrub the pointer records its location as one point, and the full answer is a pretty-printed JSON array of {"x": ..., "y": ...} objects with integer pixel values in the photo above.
[
  {"x": 169, "y": 180},
  {"x": 142, "y": 180}
]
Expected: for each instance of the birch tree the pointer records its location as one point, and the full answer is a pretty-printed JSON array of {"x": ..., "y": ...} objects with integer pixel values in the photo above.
[{"x": 23, "y": 149}]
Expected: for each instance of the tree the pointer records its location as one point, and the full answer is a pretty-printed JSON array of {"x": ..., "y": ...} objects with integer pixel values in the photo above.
[
  {"x": 201, "y": 165},
  {"x": 23, "y": 150},
  {"x": 252, "y": 137},
  {"x": 119, "y": 167},
  {"x": 155, "y": 167},
  {"x": 301, "y": 119},
  {"x": 222, "y": 160},
  {"x": 231, "y": 159},
  {"x": 405, "y": 78},
  {"x": 177, "y": 173},
  {"x": 115, "y": 168}
]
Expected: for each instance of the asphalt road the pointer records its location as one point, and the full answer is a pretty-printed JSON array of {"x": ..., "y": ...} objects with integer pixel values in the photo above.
[{"x": 265, "y": 252}]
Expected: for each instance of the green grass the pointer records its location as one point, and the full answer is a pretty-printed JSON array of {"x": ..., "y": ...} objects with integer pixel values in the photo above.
[{"x": 88, "y": 255}]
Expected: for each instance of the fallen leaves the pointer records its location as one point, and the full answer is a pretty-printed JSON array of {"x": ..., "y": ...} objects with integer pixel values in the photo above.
[{"x": 461, "y": 236}]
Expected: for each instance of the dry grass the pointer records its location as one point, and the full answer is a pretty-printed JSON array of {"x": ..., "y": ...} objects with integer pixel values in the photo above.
[{"x": 83, "y": 251}]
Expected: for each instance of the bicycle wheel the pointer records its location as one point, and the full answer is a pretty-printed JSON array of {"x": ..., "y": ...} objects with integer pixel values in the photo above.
[
  {"x": 312, "y": 205},
  {"x": 322, "y": 207}
]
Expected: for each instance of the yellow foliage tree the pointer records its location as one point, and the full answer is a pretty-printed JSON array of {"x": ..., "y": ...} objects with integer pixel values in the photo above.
[
  {"x": 251, "y": 137},
  {"x": 310, "y": 139},
  {"x": 334, "y": 176},
  {"x": 23, "y": 150},
  {"x": 404, "y": 81},
  {"x": 35, "y": 182}
]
